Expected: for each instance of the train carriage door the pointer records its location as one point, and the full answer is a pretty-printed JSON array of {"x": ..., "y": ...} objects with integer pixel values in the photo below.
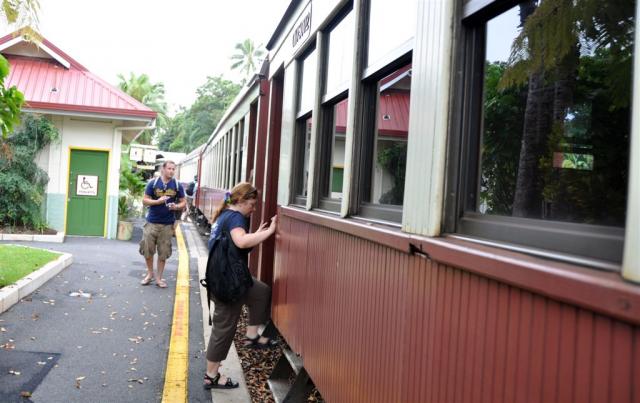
[
  {"x": 86, "y": 196},
  {"x": 272, "y": 167}
]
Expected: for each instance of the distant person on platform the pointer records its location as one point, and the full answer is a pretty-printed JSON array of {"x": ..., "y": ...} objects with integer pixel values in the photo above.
[
  {"x": 164, "y": 196},
  {"x": 192, "y": 190}
]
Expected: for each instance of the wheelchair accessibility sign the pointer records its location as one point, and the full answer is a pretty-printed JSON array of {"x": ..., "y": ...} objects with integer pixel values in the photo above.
[{"x": 87, "y": 185}]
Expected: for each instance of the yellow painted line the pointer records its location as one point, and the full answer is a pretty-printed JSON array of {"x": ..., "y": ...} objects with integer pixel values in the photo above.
[{"x": 177, "y": 373}]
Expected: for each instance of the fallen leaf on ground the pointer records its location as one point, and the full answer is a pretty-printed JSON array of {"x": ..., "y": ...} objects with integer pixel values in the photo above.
[
  {"x": 136, "y": 380},
  {"x": 25, "y": 394}
]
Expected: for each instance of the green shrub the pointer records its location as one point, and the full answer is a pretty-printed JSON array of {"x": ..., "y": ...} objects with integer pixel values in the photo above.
[
  {"x": 132, "y": 187},
  {"x": 21, "y": 180}
]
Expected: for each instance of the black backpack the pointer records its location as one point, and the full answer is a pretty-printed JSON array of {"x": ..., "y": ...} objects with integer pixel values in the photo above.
[
  {"x": 227, "y": 277},
  {"x": 191, "y": 188}
]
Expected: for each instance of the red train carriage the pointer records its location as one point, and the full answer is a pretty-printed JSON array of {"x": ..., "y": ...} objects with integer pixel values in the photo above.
[{"x": 458, "y": 185}]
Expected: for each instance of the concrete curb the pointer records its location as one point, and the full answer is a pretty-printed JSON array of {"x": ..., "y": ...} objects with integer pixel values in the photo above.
[
  {"x": 232, "y": 366},
  {"x": 11, "y": 294},
  {"x": 57, "y": 238}
]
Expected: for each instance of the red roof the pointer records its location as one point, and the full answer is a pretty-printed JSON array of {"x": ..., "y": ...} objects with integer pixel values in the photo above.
[
  {"x": 393, "y": 114},
  {"x": 47, "y": 84}
]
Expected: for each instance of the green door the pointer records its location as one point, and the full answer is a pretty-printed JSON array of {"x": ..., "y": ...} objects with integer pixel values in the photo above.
[{"x": 87, "y": 192}]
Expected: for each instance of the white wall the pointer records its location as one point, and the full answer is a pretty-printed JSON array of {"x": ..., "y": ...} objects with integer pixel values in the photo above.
[
  {"x": 81, "y": 133},
  {"x": 84, "y": 134}
]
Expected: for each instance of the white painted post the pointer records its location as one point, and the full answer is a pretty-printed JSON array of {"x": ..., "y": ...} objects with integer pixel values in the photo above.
[
  {"x": 429, "y": 118},
  {"x": 631, "y": 258}
]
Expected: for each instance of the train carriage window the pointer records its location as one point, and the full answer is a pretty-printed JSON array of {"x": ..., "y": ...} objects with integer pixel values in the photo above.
[
  {"x": 240, "y": 151},
  {"x": 340, "y": 55},
  {"x": 547, "y": 143},
  {"x": 301, "y": 160},
  {"x": 307, "y": 82},
  {"x": 391, "y": 28},
  {"x": 332, "y": 139},
  {"x": 386, "y": 147},
  {"x": 227, "y": 169},
  {"x": 333, "y": 155},
  {"x": 302, "y": 139}
]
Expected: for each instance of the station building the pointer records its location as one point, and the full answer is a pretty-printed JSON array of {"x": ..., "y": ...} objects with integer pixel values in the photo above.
[{"x": 94, "y": 119}]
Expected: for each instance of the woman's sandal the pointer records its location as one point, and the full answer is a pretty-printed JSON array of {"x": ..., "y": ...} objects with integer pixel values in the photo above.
[
  {"x": 213, "y": 383},
  {"x": 161, "y": 283},
  {"x": 255, "y": 343}
]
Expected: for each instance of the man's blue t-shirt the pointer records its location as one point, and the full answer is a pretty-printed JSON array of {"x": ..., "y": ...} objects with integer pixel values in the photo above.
[{"x": 161, "y": 214}]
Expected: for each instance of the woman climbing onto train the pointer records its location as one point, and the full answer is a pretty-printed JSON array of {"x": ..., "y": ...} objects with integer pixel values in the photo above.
[{"x": 232, "y": 216}]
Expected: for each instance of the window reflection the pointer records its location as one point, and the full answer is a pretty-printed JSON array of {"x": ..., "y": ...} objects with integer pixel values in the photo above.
[
  {"x": 303, "y": 152},
  {"x": 334, "y": 168},
  {"x": 556, "y": 112},
  {"x": 392, "y": 128}
]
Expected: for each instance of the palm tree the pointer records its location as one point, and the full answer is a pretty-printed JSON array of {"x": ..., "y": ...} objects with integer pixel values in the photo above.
[
  {"x": 151, "y": 94},
  {"x": 23, "y": 13},
  {"x": 247, "y": 58},
  {"x": 545, "y": 56}
]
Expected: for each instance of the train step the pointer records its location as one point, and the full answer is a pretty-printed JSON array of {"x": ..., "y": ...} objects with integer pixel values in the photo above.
[{"x": 289, "y": 381}]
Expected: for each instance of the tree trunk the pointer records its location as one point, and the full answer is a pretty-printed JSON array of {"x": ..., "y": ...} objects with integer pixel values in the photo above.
[
  {"x": 527, "y": 200},
  {"x": 537, "y": 126}
]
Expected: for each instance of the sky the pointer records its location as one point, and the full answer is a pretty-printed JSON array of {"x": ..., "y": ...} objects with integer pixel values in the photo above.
[
  {"x": 178, "y": 43},
  {"x": 501, "y": 31}
]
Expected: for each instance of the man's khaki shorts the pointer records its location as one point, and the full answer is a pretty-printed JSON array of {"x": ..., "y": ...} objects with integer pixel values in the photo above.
[{"x": 156, "y": 237}]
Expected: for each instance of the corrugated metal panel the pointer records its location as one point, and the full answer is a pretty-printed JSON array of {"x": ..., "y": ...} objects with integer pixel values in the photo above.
[
  {"x": 429, "y": 118},
  {"x": 377, "y": 325},
  {"x": 75, "y": 89}
]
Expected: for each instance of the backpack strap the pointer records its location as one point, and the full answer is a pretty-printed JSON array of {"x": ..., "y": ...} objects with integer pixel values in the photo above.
[{"x": 203, "y": 282}]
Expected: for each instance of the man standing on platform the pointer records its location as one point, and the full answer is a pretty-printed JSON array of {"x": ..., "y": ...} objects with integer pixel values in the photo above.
[{"x": 163, "y": 195}]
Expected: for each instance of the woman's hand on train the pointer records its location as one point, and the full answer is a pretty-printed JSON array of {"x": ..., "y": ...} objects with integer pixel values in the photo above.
[
  {"x": 263, "y": 227},
  {"x": 274, "y": 224}
]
